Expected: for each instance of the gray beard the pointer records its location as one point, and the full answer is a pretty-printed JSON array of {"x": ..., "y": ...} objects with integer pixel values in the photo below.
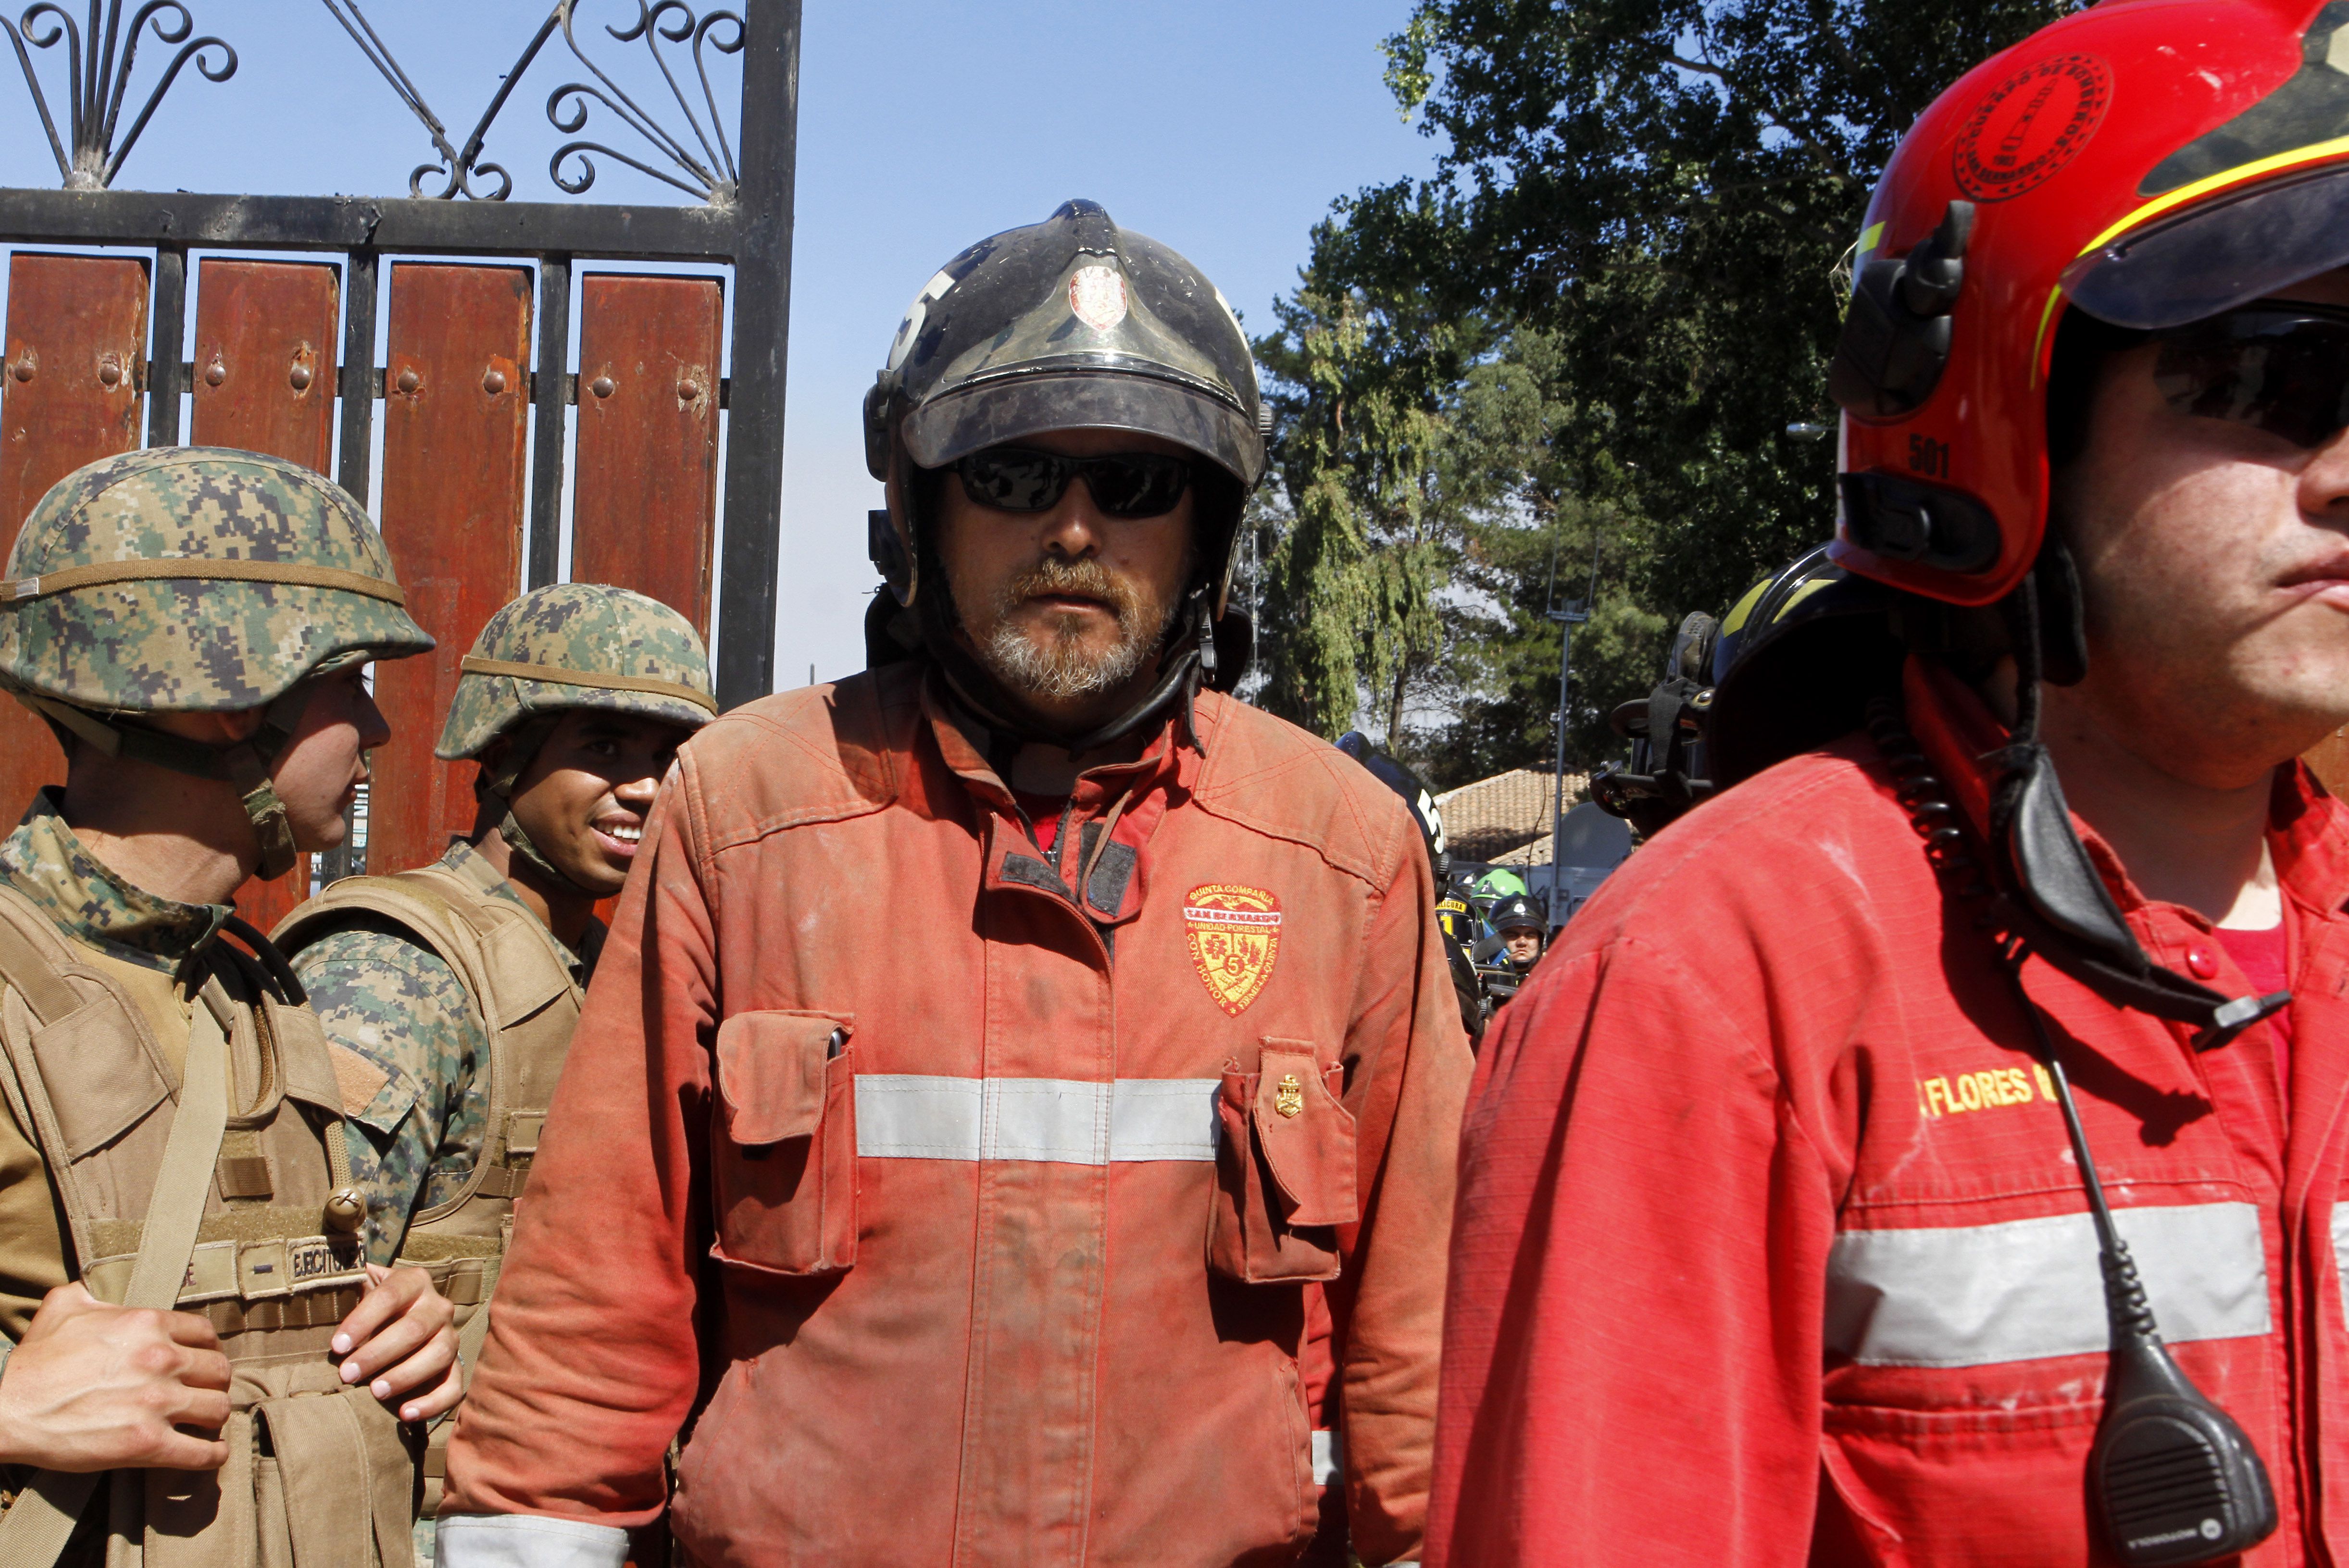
[{"x": 1062, "y": 670}]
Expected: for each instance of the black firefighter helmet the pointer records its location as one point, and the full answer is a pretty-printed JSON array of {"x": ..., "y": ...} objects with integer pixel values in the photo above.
[
  {"x": 1517, "y": 912},
  {"x": 1068, "y": 324},
  {"x": 1790, "y": 668}
]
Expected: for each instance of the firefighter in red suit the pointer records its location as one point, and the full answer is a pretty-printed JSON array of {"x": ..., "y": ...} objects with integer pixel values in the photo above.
[{"x": 1773, "y": 1245}]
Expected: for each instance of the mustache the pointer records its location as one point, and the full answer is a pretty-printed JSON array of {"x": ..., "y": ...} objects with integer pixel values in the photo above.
[
  {"x": 1062, "y": 666},
  {"x": 1079, "y": 579}
]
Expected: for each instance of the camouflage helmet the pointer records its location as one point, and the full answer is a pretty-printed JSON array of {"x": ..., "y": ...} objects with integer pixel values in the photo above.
[
  {"x": 196, "y": 580},
  {"x": 106, "y": 605},
  {"x": 578, "y": 644}
]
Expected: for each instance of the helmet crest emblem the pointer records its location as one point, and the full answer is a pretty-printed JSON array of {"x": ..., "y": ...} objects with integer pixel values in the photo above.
[
  {"x": 2030, "y": 125},
  {"x": 1097, "y": 298}
]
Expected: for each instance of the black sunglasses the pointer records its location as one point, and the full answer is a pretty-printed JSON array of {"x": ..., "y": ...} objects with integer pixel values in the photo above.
[
  {"x": 1124, "y": 484},
  {"x": 2283, "y": 368}
]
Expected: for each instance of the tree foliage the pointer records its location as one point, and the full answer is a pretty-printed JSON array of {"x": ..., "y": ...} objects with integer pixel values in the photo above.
[
  {"x": 1365, "y": 531},
  {"x": 1596, "y": 320},
  {"x": 1421, "y": 529}
]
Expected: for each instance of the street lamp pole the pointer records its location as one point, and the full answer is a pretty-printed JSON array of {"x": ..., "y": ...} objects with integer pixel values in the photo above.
[
  {"x": 1569, "y": 615},
  {"x": 1573, "y": 615}
]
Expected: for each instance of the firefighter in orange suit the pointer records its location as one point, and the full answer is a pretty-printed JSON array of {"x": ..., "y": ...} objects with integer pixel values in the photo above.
[{"x": 1001, "y": 1258}]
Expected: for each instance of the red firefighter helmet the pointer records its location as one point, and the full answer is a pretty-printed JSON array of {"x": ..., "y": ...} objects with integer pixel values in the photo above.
[{"x": 2151, "y": 162}]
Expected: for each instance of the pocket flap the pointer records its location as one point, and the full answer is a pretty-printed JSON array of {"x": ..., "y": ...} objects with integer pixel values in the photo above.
[
  {"x": 347, "y": 1475},
  {"x": 770, "y": 1072},
  {"x": 99, "y": 1081},
  {"x": 1306, "y": 1135},
  {"x": 529, "y": 977},
  {"x": 304, "y": 1057}
]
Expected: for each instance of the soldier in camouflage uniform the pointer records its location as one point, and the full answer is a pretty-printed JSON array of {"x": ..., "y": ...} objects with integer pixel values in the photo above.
[
  {"x": 449, "y": 993},
  {"x": 194, "y": 624}
]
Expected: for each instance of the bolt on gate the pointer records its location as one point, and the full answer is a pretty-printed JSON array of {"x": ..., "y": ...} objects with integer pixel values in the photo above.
[{"x": 476, "y": 384}]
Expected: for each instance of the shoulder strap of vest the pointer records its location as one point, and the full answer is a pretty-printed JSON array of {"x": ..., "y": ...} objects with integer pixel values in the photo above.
[
  {"x": 36, "y": 1530},
  {"x": 47, "y": 998},
  {"x": 406, "y": 900},
  {"x": 526, "y": 966},
  {"x": 30, "y": 958}
]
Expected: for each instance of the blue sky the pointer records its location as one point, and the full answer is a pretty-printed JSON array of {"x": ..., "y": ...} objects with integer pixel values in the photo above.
[{"x": 1222, "y": 128}]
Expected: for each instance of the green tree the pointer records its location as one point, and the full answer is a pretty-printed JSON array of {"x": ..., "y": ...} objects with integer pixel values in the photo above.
[
  {"x": 1358, "y": 537},
  {"x": 1420, "y": 527},
  {"x": 1529, "y": 543}
]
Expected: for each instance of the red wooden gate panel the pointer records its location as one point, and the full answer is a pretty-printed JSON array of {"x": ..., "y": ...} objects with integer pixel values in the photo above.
[
  {"x": 264, "y": 377},
  {"x": 264, "y": 381},
  {"x": 645, "y": 498},
  {"x": 70, "y": 396},
  {"x": 455, "y": 407}
]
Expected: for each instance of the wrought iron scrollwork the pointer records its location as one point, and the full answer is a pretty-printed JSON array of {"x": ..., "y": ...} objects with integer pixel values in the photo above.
[
  {"x": 704, "y": 166},
  {"x": 457, "y": 168},
  {"x": 711, "y": 175},
  {"x": 98, "y": 80}
]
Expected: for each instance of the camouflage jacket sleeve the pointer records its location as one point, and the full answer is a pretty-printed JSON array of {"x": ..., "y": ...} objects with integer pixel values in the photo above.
[{"x": 398, "y": 1005}]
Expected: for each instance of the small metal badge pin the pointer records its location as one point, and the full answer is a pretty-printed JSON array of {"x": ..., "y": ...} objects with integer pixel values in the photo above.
[{"x": 1289, "y": 1098}]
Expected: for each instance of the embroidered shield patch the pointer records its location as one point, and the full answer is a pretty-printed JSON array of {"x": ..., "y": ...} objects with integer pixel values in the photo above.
[
  {"x": 1097, "y": 298},
  {"x": 1234, "y": 936}
]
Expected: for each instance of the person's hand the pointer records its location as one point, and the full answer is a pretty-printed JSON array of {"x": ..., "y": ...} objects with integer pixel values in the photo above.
[
  {"x": 402, "y": 1340},
  {"x": 95, "y": 1387}
]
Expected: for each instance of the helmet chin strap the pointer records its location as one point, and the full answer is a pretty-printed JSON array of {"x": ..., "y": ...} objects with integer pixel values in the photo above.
[
  {"x": 510, "y": 829},
  {"x": 2063, "y": 909},
  {"x": 244, "y": 764},
  {"x": 523, "y": 742}
]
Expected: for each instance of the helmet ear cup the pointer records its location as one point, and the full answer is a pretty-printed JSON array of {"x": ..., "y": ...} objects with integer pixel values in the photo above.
[
  {"x": 893, "y": 529},
  {"x": 888, "y": 552},
  {"x": 1897, "y": 335}
]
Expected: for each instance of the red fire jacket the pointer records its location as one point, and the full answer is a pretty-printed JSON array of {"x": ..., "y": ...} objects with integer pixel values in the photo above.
[
  {"x": 990, "y": 1215},
  {"x": 1771, "y": 1248}
]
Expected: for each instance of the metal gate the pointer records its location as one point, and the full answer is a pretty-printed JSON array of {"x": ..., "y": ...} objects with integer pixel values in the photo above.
[{"x": 475, "y": 385}]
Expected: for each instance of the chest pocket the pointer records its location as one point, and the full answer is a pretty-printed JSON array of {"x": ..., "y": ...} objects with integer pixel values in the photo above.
[
  {"x": 1284, "y": 1168},
  {"x": 784, "y": 1148}
]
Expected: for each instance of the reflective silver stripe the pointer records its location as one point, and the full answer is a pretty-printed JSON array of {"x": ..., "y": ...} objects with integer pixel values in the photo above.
[
  {"x": 526, "y": 1541},
  {"x": 1327, "y": 1456},
  {"x": 1968, "y": 1295},
  {"x": 1067, "y": 1121},
  {"x": 2341, "y": 1246}
]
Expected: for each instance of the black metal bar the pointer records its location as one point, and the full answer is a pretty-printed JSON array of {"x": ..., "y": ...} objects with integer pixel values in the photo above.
[
  {"x": 547, "y": 460},
  {"x": 165, "y": 381},
  {"x": 763, "y": 318},
  {"x": 186, "y": 220},
  {"x": 360, "y": 383},
  {"x": 357, "y": 380}
]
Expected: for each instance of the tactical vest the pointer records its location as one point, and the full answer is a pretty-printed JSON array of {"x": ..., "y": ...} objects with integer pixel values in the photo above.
[
  {"x": 203, "y": 1185},
  {"x": 519, "y": 979}
]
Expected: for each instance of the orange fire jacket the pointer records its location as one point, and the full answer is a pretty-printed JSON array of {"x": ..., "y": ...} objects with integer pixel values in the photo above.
[
  {"x": 984, "y": 1186},
  {"x": 1771, "y": 1249}
]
